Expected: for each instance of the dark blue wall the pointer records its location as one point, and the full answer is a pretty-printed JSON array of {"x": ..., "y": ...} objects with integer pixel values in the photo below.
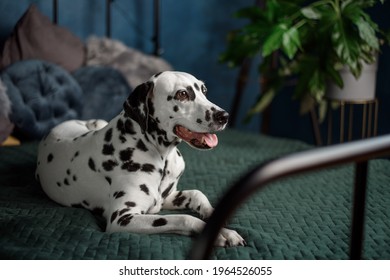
[{"x": 193, "y": 34}]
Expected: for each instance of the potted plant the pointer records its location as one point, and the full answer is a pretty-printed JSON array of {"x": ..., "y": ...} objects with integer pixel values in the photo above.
[{"x": 313, "y": 42}]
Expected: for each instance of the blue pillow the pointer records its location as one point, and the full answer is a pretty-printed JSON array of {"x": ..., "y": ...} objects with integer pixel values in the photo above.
[
  {"x": 42, "y": 95},
  {"x": 104, "y": 91}
]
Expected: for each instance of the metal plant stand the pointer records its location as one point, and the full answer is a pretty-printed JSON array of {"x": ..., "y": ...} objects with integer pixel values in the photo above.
[{"x": 369, "y": 119}]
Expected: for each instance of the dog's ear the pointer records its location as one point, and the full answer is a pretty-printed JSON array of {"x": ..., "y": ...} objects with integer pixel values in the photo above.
[{"x": 136, "y": 105}]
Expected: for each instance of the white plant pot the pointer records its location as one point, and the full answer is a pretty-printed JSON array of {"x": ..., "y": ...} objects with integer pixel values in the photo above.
[{"x": 355, "y": 90}]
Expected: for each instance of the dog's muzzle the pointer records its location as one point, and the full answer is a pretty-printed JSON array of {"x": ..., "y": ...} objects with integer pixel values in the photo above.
[{"x": 203, "y": 140}]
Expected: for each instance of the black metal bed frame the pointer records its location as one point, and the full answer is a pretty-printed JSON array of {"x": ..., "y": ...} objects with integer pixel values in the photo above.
[
  {"x": 358, "y": 152},
  {"x": 156, "y": 22}
]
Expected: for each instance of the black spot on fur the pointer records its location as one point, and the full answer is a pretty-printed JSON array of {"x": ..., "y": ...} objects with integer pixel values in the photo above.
[
  {"x": 125, "y": 220},
  {"x": 179, "y": 199},
  {"x": 59, "y": 184},
  {"x": 108, "y": 149},
  {"x": 129, "y": 128},
  {"x": 119, "y": 194},
  {"x": 120, "y": 126},
  {"x": 76, "y": 154},
  {"x": 109, "y": 165},
  {"x": 191, "y": 93},
  {"x": 167, "y": 190},
  {"x": 113, "y": 216},
  {"x": 130, "y": 204},
  {"x": 91, "y": 164},
  {"x": 131, "y": 166},
  {"x": 175, "y": 108},
  {"x": 122, "y": 139},
  {"x": 198, "y": 208},
  {"x": 169, "y": 98},
  {"x": 123, "y": 211},
  {"x": 141, "y": 146},
  {"x": 178, "y": 153},
  {"x": 108, "y": 135},
  {"x": 50, "y": 157},
  {"x": 98, "y": 211},
  {"x": 165, "y": 170},
  {"x": 196, "y": 86},
  {"x": 108, "y": 179},
  {"x": 208, "y": 115},
  {"x": 66, "y": 182},
  {"x": 144, "y": 188},
  {"x": 74, "y": 178},
  {"x": 68, "y": 171},
  {"x": 199, "y": 121},
  {"x": 149, "y": 168},
  {"x": 159, "y": 222},
  {"x": 126, "y": 155}
]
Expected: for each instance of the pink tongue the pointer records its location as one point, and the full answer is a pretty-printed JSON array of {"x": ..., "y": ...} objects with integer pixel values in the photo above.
[{"x": 211, "y": 140}]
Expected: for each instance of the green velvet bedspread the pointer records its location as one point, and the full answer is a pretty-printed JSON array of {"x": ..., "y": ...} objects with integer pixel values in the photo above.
[{"x": 305, "y": 217}]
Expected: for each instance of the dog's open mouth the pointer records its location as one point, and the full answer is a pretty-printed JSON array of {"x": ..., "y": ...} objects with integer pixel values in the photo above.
[{"x": 197, "y": 139}]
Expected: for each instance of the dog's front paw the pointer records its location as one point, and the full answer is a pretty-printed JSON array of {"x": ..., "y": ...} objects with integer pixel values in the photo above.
[{"x": 229, "y": 238}]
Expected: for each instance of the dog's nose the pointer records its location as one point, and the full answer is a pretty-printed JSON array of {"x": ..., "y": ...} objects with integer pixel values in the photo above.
[{"x": 221, "y": 117}]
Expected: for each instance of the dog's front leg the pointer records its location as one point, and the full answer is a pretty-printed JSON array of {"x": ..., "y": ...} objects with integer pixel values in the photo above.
[
  {"x": 153, "y": 223},
  {"x": 194, "y": 200},
  {"x": 178, "y": 224}
]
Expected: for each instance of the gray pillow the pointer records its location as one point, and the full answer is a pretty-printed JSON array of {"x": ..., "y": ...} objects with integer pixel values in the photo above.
[{"x": 36, "y": 37}]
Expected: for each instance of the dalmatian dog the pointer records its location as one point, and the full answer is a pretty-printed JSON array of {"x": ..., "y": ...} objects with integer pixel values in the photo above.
[{"x": 127, "y": 170}]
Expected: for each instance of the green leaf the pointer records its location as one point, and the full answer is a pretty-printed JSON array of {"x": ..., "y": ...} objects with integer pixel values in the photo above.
[
  {"x": 263, "y": 102},
  {"x": 274, "y": 40},
  {"x": 291, "y": 42},
  {"x": 273, "y": 7},
  {"x": 265, "y": 99},
  {"x": 344, "y": 44},
  {"x": 310, "y": 13},
  {"x": 322, "y": 109},
  {"x": 367, "y": 33}
]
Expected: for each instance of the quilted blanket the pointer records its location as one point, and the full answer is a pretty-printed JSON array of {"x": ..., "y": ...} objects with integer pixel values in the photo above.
[{"x": 305, "y": 217}]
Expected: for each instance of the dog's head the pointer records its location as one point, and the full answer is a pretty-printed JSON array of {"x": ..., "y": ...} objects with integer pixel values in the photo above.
[{"x": 174, "y": 106}]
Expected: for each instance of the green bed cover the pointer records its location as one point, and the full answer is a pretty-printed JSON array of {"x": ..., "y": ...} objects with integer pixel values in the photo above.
[{"x": 306, "y": 217}]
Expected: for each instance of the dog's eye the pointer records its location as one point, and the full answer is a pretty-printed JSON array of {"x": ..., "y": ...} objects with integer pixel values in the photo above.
[{"x": 182, "y": 95}]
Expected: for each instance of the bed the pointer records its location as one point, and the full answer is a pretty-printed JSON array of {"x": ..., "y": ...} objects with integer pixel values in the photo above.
[{"x": 307, "y": 216}]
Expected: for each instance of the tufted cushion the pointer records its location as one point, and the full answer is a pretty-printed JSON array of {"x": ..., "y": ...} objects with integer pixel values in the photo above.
[
  {"x": 104, "y": 89},
  {"x": 42, "y": 95}
]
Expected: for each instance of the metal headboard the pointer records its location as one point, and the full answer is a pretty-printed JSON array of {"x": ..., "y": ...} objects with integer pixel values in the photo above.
[
  {"x": 156, "y": 22},
  {"x": 358, "y": 152}
]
